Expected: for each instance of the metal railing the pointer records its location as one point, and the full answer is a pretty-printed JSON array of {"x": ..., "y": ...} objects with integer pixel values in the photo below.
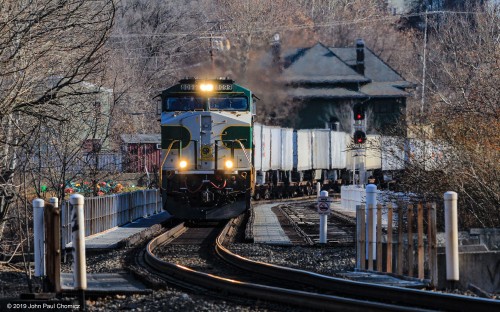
[{"x": 106, "y": 212}]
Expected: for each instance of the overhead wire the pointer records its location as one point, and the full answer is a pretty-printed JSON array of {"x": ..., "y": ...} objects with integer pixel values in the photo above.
[{"x": 296, "y": 26}]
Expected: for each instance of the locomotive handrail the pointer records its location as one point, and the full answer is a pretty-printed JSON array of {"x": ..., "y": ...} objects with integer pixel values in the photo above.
[
  {"x": 163, "y": 161},
  {"x": 244, "y": 151}
]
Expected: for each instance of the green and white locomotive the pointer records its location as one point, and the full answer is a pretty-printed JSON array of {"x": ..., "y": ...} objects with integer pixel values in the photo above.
[{"x": 206, "y": 139}]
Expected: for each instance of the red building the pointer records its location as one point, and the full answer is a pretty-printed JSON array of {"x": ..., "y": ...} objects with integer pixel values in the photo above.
[{"x": 141, "y": 152}]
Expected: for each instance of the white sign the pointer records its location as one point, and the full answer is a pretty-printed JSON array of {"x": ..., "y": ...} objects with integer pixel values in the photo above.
[{"x": 324, "y": 205}]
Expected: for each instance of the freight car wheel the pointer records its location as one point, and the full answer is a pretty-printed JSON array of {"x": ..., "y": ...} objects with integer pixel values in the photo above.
[
  {"x": 267, "y": 195},
  {"x": 256, "y": 196},
  {"x": 308, "y": 189}
]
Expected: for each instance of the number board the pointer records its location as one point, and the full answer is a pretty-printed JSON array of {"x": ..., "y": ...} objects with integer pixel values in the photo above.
[
  {"x": 224, "y": 87},
  {"x": 218, "y": 87}
]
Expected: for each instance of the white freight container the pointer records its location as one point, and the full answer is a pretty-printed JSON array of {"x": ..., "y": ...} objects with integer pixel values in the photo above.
[
  {"x": 287, "y": 149},
  {"x": 266, "y": 148},
  {"x": 369, "y": 154},
  {"x": 433, "y": 155},
  {"x": 257, "y": 142},
  {"x": 393, "y": 153},
  {"x": 275, "y": 140},
  {"x": 304, "y": 150},
  {"x": 320, "y": 148},
  {"x": 373, "y": 157},
  {"x": 416, "y": 153},
  {"x": 338, "y": 149}
]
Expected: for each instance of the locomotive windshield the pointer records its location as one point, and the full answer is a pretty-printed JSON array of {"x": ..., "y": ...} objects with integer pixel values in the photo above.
[
  {"x": 183, "y": 104},
  {"x": 228, "y": 103},
  {"x": 214, "y": 103}
]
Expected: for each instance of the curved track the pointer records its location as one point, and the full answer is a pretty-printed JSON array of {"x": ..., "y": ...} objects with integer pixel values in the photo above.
[{"x": 349, "y": 295}]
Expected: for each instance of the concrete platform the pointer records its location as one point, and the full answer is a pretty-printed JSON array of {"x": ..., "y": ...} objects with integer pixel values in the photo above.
[
  {"x": 266, "y": 227},
  {"x": 106, "y": 283},
  {"x": 119, "y": 236},
  {"x": 337, "y": 206}
]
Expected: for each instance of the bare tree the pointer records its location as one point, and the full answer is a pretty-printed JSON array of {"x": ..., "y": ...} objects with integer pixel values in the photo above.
[
  {"x": 150, "y": 44},
  {"x": 464, "y": 78},
  {"x": 249, "y": 26},
  {"x": 460, "y": 118},
  {"x": 46, "y": 47}
]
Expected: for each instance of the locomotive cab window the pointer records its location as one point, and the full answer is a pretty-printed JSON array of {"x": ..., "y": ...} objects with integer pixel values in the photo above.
[
  {"x": 228, "y": 103},
  {"x": 183, "y": 104}
]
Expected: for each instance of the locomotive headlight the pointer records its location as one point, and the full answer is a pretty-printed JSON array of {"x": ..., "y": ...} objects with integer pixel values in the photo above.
[
  {"x": 229, "y": 164},
  {"x": 183, "y": 164},
  {"x": 206, "y": 87}
]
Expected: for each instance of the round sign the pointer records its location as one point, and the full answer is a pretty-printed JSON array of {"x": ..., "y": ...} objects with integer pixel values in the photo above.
[{"x": 323, "y": 207}]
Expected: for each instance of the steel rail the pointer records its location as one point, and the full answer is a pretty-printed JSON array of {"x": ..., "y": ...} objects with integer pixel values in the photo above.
[
  {"x": 257, "y": 291},
  {"x": 397, "y": 295}
]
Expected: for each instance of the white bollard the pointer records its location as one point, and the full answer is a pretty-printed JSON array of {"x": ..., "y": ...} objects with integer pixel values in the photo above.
[
  {"x": 78, "y": 238},
  {"x": 39, "y": 236},
  {"x": 323, "y": 210},
  {"x": 451, "y": 230},
  {"x": 371, "y": 201},
  {"x": 323, "y": 228},
  {"x": 54, "y": 201}
]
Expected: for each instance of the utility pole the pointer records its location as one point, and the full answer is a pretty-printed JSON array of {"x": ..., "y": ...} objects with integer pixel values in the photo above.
[
  {"x": 220, "y": 43},
  {"x": 424, "y": 68}
]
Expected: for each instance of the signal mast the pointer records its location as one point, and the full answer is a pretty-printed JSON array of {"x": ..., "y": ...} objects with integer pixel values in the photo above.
[{"x": 359, "y": 140}]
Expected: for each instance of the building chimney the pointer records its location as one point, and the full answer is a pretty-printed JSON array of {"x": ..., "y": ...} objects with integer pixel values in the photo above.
[
  {"x": 360, "y": 56},
  {"x": 276, "y": 51}
]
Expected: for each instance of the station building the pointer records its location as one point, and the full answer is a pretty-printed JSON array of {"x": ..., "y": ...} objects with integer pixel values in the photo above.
[{"x": 327, "y": 82}]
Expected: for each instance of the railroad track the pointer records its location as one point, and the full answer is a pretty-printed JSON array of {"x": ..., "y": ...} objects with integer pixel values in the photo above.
[
  {"x": 305, "y": 219},
  {"x": 337, "y": 294}
]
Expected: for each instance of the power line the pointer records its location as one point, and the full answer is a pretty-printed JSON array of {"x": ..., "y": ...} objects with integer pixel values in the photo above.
[{"x": 297, "y": 26}]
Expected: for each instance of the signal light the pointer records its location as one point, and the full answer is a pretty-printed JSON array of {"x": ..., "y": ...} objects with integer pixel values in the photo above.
[
  {"x": 359, "y": 112},
  {"x": 182, "y": 164},
  {"x": 359, "y": 137}
]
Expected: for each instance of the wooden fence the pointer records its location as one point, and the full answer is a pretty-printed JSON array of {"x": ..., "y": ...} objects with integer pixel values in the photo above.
[{"x": 399, "y": 239}]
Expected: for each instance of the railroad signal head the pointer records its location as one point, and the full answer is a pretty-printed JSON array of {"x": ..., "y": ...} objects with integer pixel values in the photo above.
[
  {"x": 359, "y": 137},
  {"x": 359, "y": 112}
]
